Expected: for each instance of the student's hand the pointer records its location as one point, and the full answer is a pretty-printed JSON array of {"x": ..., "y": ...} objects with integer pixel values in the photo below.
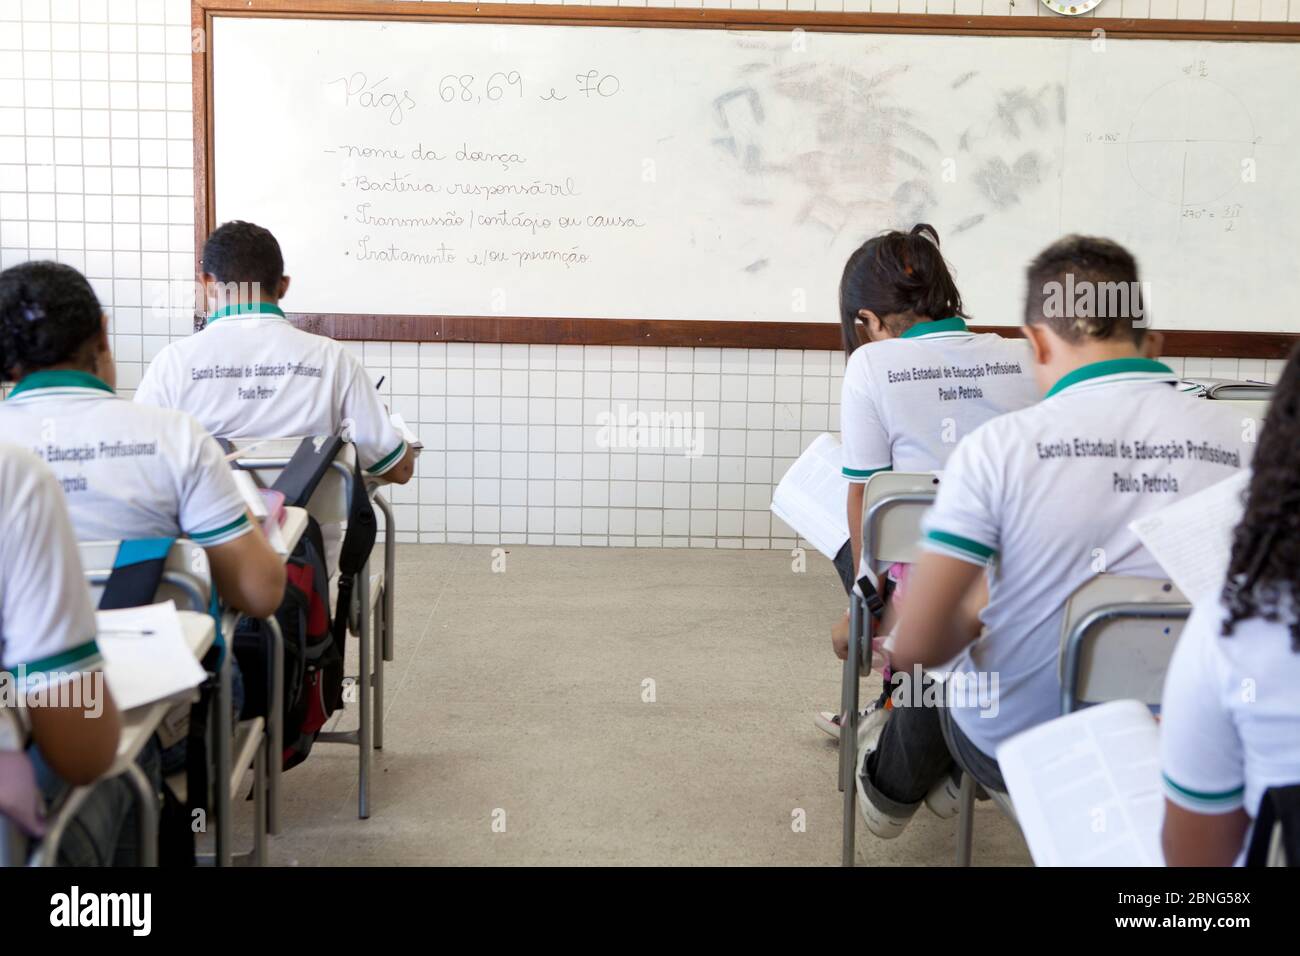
[{"x": 840, "y": 637}]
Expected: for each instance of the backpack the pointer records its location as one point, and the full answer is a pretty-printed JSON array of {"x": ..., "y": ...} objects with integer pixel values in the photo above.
[
  {"x": 1279, "y": 809},
  {"x": 314, "y": 640},
  {"x": 313, "y": 661}
]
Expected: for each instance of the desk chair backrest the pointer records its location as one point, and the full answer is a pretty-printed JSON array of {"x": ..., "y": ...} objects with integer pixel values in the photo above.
[
  {"x": 1117, "y": 636},
  {"x": 187, "y": 577},
  {"x": 892, "y": 507},
  {"x": 331, "y": 501}
]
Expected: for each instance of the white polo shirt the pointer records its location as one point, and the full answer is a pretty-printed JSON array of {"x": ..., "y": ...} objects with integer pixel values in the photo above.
[
  {"x": 47, "y": 625},
  {"x": 1045, "y": 496},
  {"x": 128, "y": 471},
  {"x": 906, "y": 402},
  {"x": 1230, "y": 714},
  {"x": 251, "y": 374}
]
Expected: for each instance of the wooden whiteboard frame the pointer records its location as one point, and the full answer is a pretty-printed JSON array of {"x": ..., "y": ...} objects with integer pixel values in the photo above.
[{"x": 668, "y": 331}]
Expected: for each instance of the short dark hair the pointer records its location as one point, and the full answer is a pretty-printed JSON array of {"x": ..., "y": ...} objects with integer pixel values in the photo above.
[
  {"x": 48, "y": 312},
  {"x": 1085, "y": 287},
  {"x": 240, "y": 251},
  {"x": 900, "y": 276}
]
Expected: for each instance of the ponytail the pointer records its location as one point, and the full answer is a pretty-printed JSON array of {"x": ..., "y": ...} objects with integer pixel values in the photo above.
[
  {"x": 902, "y": 278},
  {"x": 48, "y": 312}
]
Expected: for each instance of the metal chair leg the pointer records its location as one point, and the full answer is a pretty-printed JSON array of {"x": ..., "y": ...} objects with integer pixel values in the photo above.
[
  {"x": 260, "y": 801},
  {"x": 966, "y": 820},
  {"x": 222, "y": 732},
  {"x": 275, "y": 728},
  {"x": 364, "y": 740},
  {"x": 849, "y": 730},
  {"x": 146, "y": 812},
  {"x": 379, "y": 628},
  {"x": 390, "y": 572}
]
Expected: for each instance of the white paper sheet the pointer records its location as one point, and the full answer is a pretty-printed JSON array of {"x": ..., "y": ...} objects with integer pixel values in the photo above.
[
  {"x": 1192, "y": 538},
  {"x": 146, "y": 658},
  {"x": 1086, "y": 787},
  {"x": 811, "y": 497}
]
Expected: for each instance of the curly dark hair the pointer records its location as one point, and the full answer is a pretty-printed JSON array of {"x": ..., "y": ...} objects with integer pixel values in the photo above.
[
  {"x": 48, "y": 312},
  {"x": 1264, "y": 572}
]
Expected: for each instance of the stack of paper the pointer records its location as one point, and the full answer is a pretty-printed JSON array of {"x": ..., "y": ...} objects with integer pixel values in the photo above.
[{"x": 812, "y": 496}]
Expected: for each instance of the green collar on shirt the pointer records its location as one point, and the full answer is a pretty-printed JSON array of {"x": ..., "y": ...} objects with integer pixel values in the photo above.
[
  {"x": 955, "y": 324},
  {"x": 1132, "y": 369},
  {"x": 60, "y": 378},
  {"x": 247, "y": 308}
]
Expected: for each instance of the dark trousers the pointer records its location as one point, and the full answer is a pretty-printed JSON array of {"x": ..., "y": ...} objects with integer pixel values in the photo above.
[{"x": 915, "y": 752}]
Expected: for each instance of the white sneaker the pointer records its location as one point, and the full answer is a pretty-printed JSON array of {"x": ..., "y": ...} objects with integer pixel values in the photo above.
[
  {"x": 882, "y": 824},
  {"x": 944, "y": 798},
  {"x": 829, "y": 722}
]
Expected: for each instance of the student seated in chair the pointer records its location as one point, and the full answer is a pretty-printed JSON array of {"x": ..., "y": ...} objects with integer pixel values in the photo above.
[
  {"x": 1230, "y": 715},
  {"x": 901, "y": 312},
  {"x": 47, "y": 648},
  {"x": 129, "y": 471},
  {"x": 251, "y": 374},
  {"x": 1040, "y": 501}
]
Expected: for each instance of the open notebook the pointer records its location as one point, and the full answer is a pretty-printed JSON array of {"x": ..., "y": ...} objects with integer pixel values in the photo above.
[
  {"x": 812, "y": 494},
  {"x": 1086, "y": 787}
]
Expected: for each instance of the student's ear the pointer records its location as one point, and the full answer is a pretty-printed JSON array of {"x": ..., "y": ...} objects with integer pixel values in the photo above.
[
  {"x": 284, "y": 288},
  {"x": 876, "y": 330},
  {"x": 101, "y": 343},
  {"x": 1153, "y": 345},
  {"x": 105, "y": 367},
  {"x": 1039, "y": 343}
]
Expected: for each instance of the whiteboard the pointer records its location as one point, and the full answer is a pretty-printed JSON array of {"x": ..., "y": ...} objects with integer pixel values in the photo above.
[{"x": 433, "y": 168}]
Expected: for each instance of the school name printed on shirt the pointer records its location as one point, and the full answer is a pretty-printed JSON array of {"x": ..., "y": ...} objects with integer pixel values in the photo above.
[
  {"x": 962, "y": 374},
  {"x": 254, "y": 370},
  {"x": 81, "y": 454},
  {"x": 1167, "y": 451}
]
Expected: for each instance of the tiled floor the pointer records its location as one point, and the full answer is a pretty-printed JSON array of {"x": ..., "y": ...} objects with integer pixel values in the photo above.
[{"x": 520, "y": 698}]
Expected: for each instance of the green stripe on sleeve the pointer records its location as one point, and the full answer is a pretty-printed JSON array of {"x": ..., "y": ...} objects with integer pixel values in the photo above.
[
  {"x": 72, "y": 659},
  {"x": 961, "y": 547},
  {"x": 207, "y": 537},
  {"x": 857, "y": 474},
  {"x": 1222, "y": 800},
  {"x": 389, "y": 460}
]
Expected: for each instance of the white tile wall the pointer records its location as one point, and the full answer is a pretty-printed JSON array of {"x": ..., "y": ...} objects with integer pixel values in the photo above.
[{"x": 96, "y": 171}]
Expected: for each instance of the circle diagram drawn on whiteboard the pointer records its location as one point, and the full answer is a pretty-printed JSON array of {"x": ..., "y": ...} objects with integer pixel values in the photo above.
[
  {"x": 1187, "y": 142},
  {"x": 1071, "y": 8}
]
